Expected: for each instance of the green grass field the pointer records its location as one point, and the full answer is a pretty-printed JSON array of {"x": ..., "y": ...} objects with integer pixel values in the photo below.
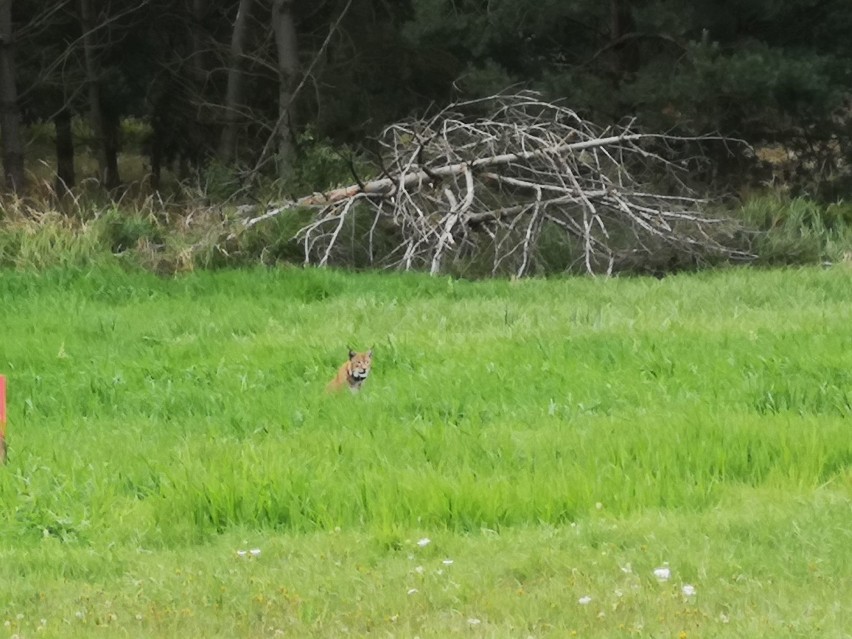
[{"x": 555, "y": 441}]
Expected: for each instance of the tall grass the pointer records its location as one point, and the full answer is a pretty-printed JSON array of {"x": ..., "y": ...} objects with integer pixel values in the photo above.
[
  {"x": 799, "y": 230},
  {"x": 482, "y": 395},
  {"x": 156, "y": 424},
  {"x": 185, "y": 233}
]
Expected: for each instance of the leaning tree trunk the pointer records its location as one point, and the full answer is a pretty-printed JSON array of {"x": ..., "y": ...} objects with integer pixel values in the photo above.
[
  {"x": 234, "y": 91},
  {"x": 10, "y": 119},
  {"x": 288, "y": 66},
  {"x": 65, "y": 175},
  {"x": 106, "y": 152}
]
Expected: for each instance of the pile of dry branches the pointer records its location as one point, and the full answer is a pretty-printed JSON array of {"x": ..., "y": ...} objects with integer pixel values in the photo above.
[{"x": 490, "y": 177}]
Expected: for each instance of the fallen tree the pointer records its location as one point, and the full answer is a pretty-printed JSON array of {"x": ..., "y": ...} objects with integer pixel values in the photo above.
[{"x": 490, "y": 176}]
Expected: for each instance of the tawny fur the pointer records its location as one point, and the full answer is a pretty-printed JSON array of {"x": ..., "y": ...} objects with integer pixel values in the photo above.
[{"x": 352, "y": 373}]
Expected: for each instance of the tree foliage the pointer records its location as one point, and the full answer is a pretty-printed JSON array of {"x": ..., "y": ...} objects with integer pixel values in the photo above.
[{"x": 767, "y": 71}]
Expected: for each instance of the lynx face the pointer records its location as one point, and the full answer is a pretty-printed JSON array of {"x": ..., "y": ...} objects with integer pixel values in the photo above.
[
  {"x": 359, "y": 366},
  {"x": 353, "y": 372}
]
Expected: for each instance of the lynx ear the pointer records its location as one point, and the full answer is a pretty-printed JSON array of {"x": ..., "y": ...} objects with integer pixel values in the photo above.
[
  {"x": 370, "y": 352},
  {"x": 351, "y": 353}
]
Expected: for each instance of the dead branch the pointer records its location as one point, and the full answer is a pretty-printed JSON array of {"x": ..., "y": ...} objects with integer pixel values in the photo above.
[{"x": 496, "y": 174}]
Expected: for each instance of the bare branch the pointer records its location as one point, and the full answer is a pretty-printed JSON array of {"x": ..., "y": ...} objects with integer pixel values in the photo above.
[{"x": 499, "y": 172}]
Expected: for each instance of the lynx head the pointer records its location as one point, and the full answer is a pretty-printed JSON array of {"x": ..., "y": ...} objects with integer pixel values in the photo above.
[{"x": 359, "y": 365}]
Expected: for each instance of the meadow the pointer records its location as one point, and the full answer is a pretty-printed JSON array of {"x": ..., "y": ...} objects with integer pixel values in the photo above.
[{"x": 625, "y": 457}]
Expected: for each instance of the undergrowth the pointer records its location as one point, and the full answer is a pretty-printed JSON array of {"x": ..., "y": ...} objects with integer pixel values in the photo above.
[
  {"x": 798, "y": 230},
  {"x": 177, "y": 236}
]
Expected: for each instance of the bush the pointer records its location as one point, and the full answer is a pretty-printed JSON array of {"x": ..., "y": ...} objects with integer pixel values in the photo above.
[
  {"x": 798, "y": 230},
  {"x": 122, "y": 231}
]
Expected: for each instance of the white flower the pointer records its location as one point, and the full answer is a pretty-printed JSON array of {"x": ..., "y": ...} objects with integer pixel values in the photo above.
[
  {"x": 412, "y": 591},
  {"x": 584, "y": 601},
  {"x": 255, "y": 552},
  {"x": 419, "y": 570},
  {"x": 242, "y": 553},
  {"x": 688, "y": 590},
  {"x": 447, "y": 562},
  {"x": 424, "y": 542},
  {"x": 473, "y": 621},
  {"x": 663, "y": 573}
]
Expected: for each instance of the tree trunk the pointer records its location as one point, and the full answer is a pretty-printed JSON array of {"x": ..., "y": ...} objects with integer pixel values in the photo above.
[
  {"x": 65, "y": 176},
  {"x": 155, "y": 151},
  {"x": 234, "y": 91},
  {"x": 288, "y": 65},
  {"x": 105, "y": 140},
  {"x": 195, "y": 143},
  {"x": 622, "y": 34},
  {"x": 112, "y": 129},
  {"x": 199, "y": 68},
  {"x": 10, "y": 118}
]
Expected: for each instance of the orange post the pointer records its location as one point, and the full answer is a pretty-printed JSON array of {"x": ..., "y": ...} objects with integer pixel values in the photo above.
[{"x": 2, "y": 419}]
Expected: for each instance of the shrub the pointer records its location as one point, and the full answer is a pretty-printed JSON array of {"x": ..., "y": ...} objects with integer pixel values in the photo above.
[
  {"x": 122, "y": 231},
  {"x": 798, "y": 230}
]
